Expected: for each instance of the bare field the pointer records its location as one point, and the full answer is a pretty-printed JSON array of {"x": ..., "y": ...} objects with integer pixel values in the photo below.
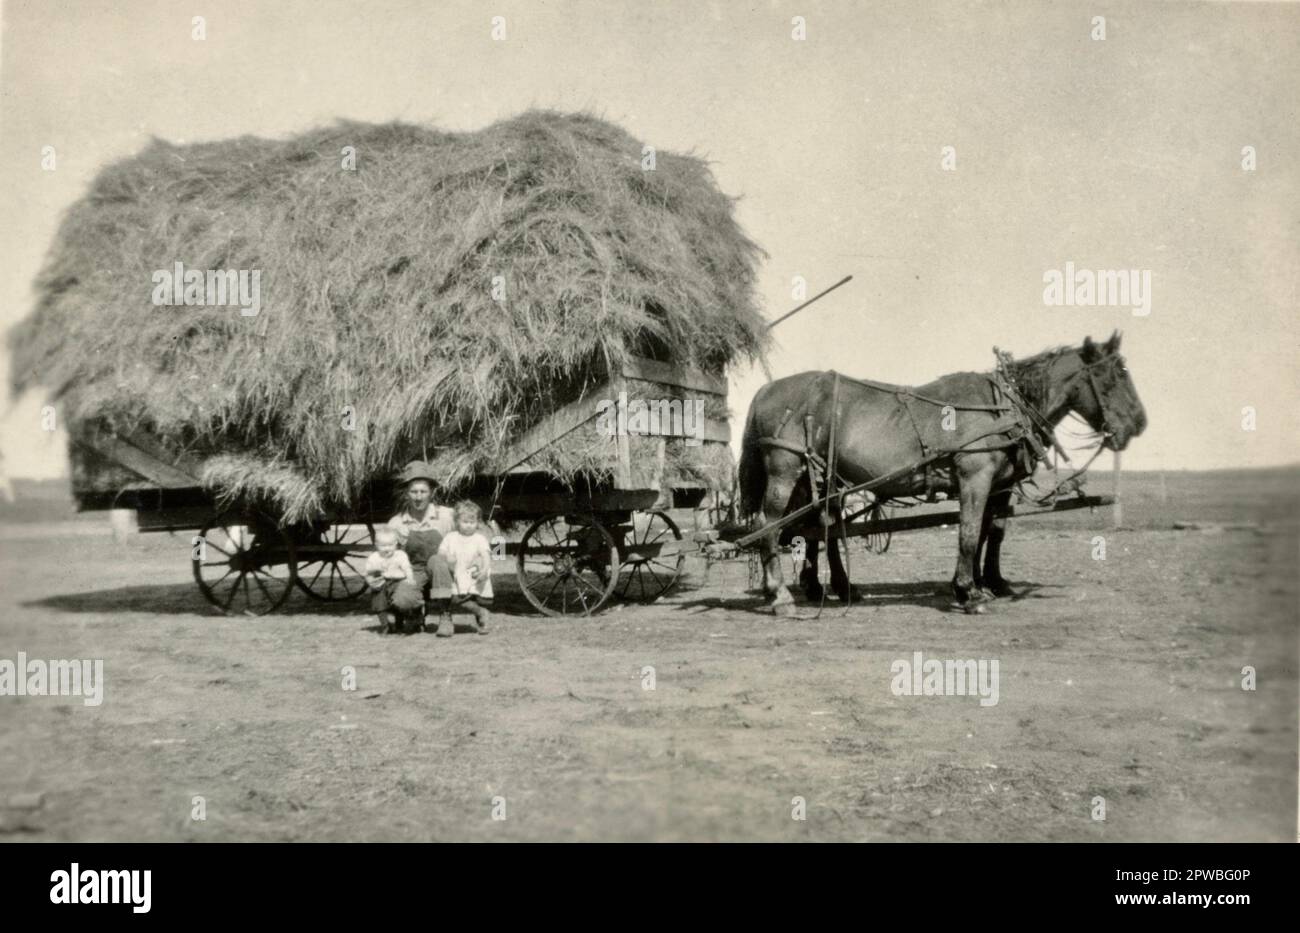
[{"x": 1119, "y": 678}]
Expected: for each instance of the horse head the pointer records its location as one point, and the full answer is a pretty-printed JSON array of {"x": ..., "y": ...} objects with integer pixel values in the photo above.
[{"x": 1102, "y": 393}]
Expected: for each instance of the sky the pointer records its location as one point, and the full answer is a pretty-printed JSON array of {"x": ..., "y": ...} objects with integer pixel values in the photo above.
[{"x": 1122, "y": 153}]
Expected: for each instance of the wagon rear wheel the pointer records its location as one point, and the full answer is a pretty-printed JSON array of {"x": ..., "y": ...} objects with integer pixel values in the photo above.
[
  {"x": 651, "y": 557},
  {"x": 331, "y": 563},
  {"x": 567, "y": 567},
  {"x": 244, "y": 569}
]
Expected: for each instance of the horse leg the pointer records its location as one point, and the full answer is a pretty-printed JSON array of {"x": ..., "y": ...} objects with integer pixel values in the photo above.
[
  {"x": 975, "y": 480},
  {"x": 991, "y": 579},
  {"x": 812, "y": 587},
  {"x": 985, "y": 522},
  {"x": 776, "y": 499}
]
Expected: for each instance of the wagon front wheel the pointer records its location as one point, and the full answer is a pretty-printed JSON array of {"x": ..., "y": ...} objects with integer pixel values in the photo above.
[
  {"x": 878, "y": 542},
  {"x": 651, "y": 558},
  {"x": 567, "y": 568},
  {"x": 243, "y": 569}
]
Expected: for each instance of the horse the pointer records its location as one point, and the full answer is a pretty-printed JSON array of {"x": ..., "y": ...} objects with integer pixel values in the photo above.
[{"x": 970, "y": 435}]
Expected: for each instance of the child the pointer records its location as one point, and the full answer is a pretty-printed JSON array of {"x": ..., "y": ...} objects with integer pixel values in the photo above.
[
  {"x": 390, "y": 578},
  {"x": 469, "y": 558}
]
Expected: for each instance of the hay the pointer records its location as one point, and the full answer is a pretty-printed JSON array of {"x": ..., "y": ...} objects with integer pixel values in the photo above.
[{"x": 376, "y": 293}]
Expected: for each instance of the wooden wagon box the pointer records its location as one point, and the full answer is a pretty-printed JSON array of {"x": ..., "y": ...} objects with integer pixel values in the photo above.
[{"x": 653, "y": 426}]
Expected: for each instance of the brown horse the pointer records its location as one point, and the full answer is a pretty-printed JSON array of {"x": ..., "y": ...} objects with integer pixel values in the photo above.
[{"x": 972, "y": 435}]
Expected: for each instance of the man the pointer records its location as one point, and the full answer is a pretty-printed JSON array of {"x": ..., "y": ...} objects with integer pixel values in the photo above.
[{"x": 420, "y": 528}]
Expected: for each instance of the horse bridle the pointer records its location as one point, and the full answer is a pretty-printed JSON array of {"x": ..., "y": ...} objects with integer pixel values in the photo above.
[{"x": 1089, "y": 370}]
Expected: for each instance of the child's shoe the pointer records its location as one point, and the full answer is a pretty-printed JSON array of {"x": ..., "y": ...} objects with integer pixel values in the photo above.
[
  {"x": 446, "y": 628},
  {"x": 387, "y": 622},
  {"x": 481, "y": 616}
]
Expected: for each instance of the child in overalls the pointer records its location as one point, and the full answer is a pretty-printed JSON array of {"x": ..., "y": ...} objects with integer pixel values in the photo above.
[{"x": 420, "y": 528}]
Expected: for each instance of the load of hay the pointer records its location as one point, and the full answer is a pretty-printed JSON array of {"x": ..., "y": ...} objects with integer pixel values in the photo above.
[{"x": 433, "y": 298}]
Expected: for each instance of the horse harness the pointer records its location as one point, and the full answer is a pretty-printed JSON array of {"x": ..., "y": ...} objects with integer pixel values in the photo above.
[{"x": 1019, "y": 425}]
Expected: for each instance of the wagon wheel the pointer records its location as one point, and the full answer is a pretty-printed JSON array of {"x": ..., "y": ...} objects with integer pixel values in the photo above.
[
  {"x": 723, "y": 510},
  {"x": 331, "y": 564},
  {"x": 878, "y": 542},
  {"x": 244, "y": 569},
  {"x": 651, "y": 557},
  {"x": 567, "y": 568}
]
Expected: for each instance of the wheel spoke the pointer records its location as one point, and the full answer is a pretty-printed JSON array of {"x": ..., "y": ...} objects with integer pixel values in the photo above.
[
  {"x": 653, "y": 574},
  {"x": 634, "y": 574},
  {"x": 354, "y": 570},
  {"x": 257, "y": 578},
  {"x": 585, "y": 582},
  {"x": 558, "y": 580},
  {"x": 233, "y": 590},
  {"x": 208, "y": 542},
  {"x": 668, "y": 568}
]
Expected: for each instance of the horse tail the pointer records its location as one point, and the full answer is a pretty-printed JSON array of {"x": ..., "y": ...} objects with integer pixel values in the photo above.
[{"x": 753, "y": 470}]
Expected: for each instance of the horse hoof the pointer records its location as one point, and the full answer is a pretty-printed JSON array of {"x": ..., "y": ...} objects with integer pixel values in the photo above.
[
  {"x": 999, "y": 590},
  {"x": 782, "y": 603}
]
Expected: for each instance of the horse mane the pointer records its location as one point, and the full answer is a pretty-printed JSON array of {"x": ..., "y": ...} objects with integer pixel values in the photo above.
[{"x": 1033, "y": 374}]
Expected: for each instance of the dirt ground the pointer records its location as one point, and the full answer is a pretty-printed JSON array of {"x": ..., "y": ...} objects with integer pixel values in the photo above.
[{"x": 1118, "y": 678}]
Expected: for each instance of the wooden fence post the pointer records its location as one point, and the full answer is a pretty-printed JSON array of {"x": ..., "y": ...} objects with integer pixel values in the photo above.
[{"x": 1118, "y": 514}]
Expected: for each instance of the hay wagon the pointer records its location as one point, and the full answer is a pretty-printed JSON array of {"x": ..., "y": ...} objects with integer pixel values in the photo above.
[
  {"x": 478, "y": 291},
  {"x": 585, "y": 540}
]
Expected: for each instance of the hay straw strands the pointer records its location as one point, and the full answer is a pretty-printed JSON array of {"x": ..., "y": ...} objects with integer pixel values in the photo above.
[{"x": 377, "y": 295}]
